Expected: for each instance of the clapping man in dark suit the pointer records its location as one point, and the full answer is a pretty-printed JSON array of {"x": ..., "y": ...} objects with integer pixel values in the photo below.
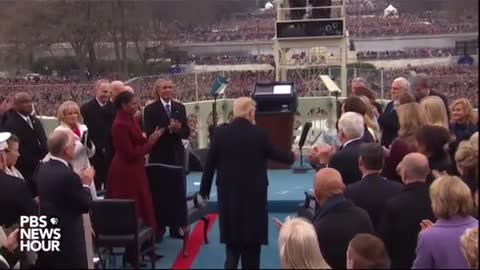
[
  {"x": 338, "y": 219},
  {"x": 65, "y": 195},
  {"x": 33, "y": 140},
  {"x": 97, "y": 122},
  {"x": 167, "y": 113},
  {"x": 400, "y": 224},
  {"x": 372, "y": 191},
  {"x": 345, "y": 160},
  {"x": 171, "y": 115},
  {"x": 239, "y": 153}
]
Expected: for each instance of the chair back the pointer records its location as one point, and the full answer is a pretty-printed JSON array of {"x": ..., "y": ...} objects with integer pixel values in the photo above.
[
  {"x": 168, "y": 189},
  {"x": 114, "y": 217}
]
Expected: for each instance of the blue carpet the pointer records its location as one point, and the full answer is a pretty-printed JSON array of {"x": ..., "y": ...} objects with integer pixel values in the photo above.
[
  {"x": 285, "y": 191},
  {"x": 212, "y": 255}
]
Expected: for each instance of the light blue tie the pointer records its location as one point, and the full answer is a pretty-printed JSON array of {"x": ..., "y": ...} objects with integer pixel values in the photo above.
[{"x": 169, "y": 111}]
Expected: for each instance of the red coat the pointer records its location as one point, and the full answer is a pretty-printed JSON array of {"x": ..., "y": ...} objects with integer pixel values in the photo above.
[{"x": 127, "y": 178}]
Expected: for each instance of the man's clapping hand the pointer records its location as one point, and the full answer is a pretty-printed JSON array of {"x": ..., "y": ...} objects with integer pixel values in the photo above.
[
  {"x": 87, "y": 175},
  {"x": 153, "y": 138},
  {"x": 278, "y": 223},
  {"x": 174, "y": 126},
  {"x": 11, "y": 243},
  {"x": 321, "y": 155}
]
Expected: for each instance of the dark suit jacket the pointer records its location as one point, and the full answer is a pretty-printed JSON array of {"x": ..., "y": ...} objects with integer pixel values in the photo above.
[
  {"x": 239, "y": 153},
  {"x": 63, "y": 196},
  {"x": 15, "y": 200},
  {"x": 97, "y": 121},
  {"x": 32, "y": 147},
  {"x": 108, "y": 111},
  {"x": 345, "y": 161},
  {"x": 400, "y": 223},
  {"x": 335, "y": 228},
  {"x": 169, "y": 148},
  {"x": 388, "y": 122},
  {"x": 371, "y": 194}
]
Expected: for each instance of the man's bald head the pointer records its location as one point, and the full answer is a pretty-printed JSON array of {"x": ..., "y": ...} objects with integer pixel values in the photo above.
[
  {"x": 117, "y": 88},
  {"x": 414, "y": 167},
  {"x": 22, "y": 102},
  {"x": 129, "y": 88},
  {"x": 328, "y": 183}
]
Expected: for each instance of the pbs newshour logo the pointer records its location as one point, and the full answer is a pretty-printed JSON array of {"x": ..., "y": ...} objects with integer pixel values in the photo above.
[{"x": 39, "y": 233}]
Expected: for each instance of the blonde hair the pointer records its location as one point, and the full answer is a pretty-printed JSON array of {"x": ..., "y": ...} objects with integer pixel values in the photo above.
[
  {"x": 450, "y": 197},
  {"x": 466, "y": 157},
  {"x": 298, "y": 246},
  {"x": 411, "y": 116},
  {"x": 467, "y": 109},
  {"x": 243, "y": 106},
  {"x": 469, "y": 246},
  {"x": 474, "y": 139},
  {"x": 67, "y": 106},
  {"x": 369, "y": 118},
  {"x": 435, "y": 111}
]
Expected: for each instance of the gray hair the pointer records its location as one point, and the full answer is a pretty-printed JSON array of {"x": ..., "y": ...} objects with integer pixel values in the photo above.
[
  {"x": 404, "y": 82},
  {"x": 360, "y": 80},
  {"x": 421, "y": 80},
  {"x": 57, "y": 141},
  {"x": 352, "y": 125}
]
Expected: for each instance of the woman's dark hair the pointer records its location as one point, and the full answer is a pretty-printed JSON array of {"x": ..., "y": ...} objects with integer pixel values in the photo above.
[
  {"x": 433, "y": 138},
  {"x": 354, "y": 104},
  {"x": 123, "y": 99}
]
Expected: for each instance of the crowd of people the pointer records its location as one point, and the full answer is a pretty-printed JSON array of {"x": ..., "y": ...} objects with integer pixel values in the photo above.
[
  {"x": 406, "y": 176},
  {"x": 453, "y": 81},
  {"x": 406, "y": 53},
  {"x": 374, "y": 25}
]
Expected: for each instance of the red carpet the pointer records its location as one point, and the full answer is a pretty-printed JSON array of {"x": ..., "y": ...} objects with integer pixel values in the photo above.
[{"x": 194, "y": 244}]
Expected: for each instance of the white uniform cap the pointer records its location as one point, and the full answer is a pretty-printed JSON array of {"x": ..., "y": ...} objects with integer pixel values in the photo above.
[{"x": 4, "y": 136}]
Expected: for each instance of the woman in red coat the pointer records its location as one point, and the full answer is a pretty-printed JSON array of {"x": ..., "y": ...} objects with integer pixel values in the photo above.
[{"x": 127, "y": 178}]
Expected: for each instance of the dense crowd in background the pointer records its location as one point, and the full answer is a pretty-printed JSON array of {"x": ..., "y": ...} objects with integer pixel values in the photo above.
[
  {"x": 406, "y": 53},
  {"x": 374, "y": 25},
  {"x": 452, "y": 81}
]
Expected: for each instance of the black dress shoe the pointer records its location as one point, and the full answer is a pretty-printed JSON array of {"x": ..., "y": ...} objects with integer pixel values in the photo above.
[{"x": 177, "y": 233}]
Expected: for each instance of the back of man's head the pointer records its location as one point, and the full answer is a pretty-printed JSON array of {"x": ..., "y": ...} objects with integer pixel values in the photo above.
[
  {"x": 242, "y": 107},
  {"x": 351, "y": 125},
  {"x": 420, "y": 81},
  {"x": 414, "y": 167},
  {"x": 371, "y": 156},
  {"x": 328, "y": 183},
  {"x": 57, "y": 141},
  {"x": 117, "y": 88},
  {"x": 366, "y": 251}
]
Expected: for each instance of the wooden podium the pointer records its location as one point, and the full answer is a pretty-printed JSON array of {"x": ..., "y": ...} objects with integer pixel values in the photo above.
[{"x": 279, "y": 126}]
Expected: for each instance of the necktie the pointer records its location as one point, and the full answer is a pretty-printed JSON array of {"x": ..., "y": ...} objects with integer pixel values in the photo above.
[
  {"x": 29, "y": 121},
  {"x": 169, "y": 111}
]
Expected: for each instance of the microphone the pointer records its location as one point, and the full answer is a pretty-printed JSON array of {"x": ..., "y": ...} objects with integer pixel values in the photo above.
[
  {"x": 305, "y": 130},
  {"x": 303, "y": 138}
]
